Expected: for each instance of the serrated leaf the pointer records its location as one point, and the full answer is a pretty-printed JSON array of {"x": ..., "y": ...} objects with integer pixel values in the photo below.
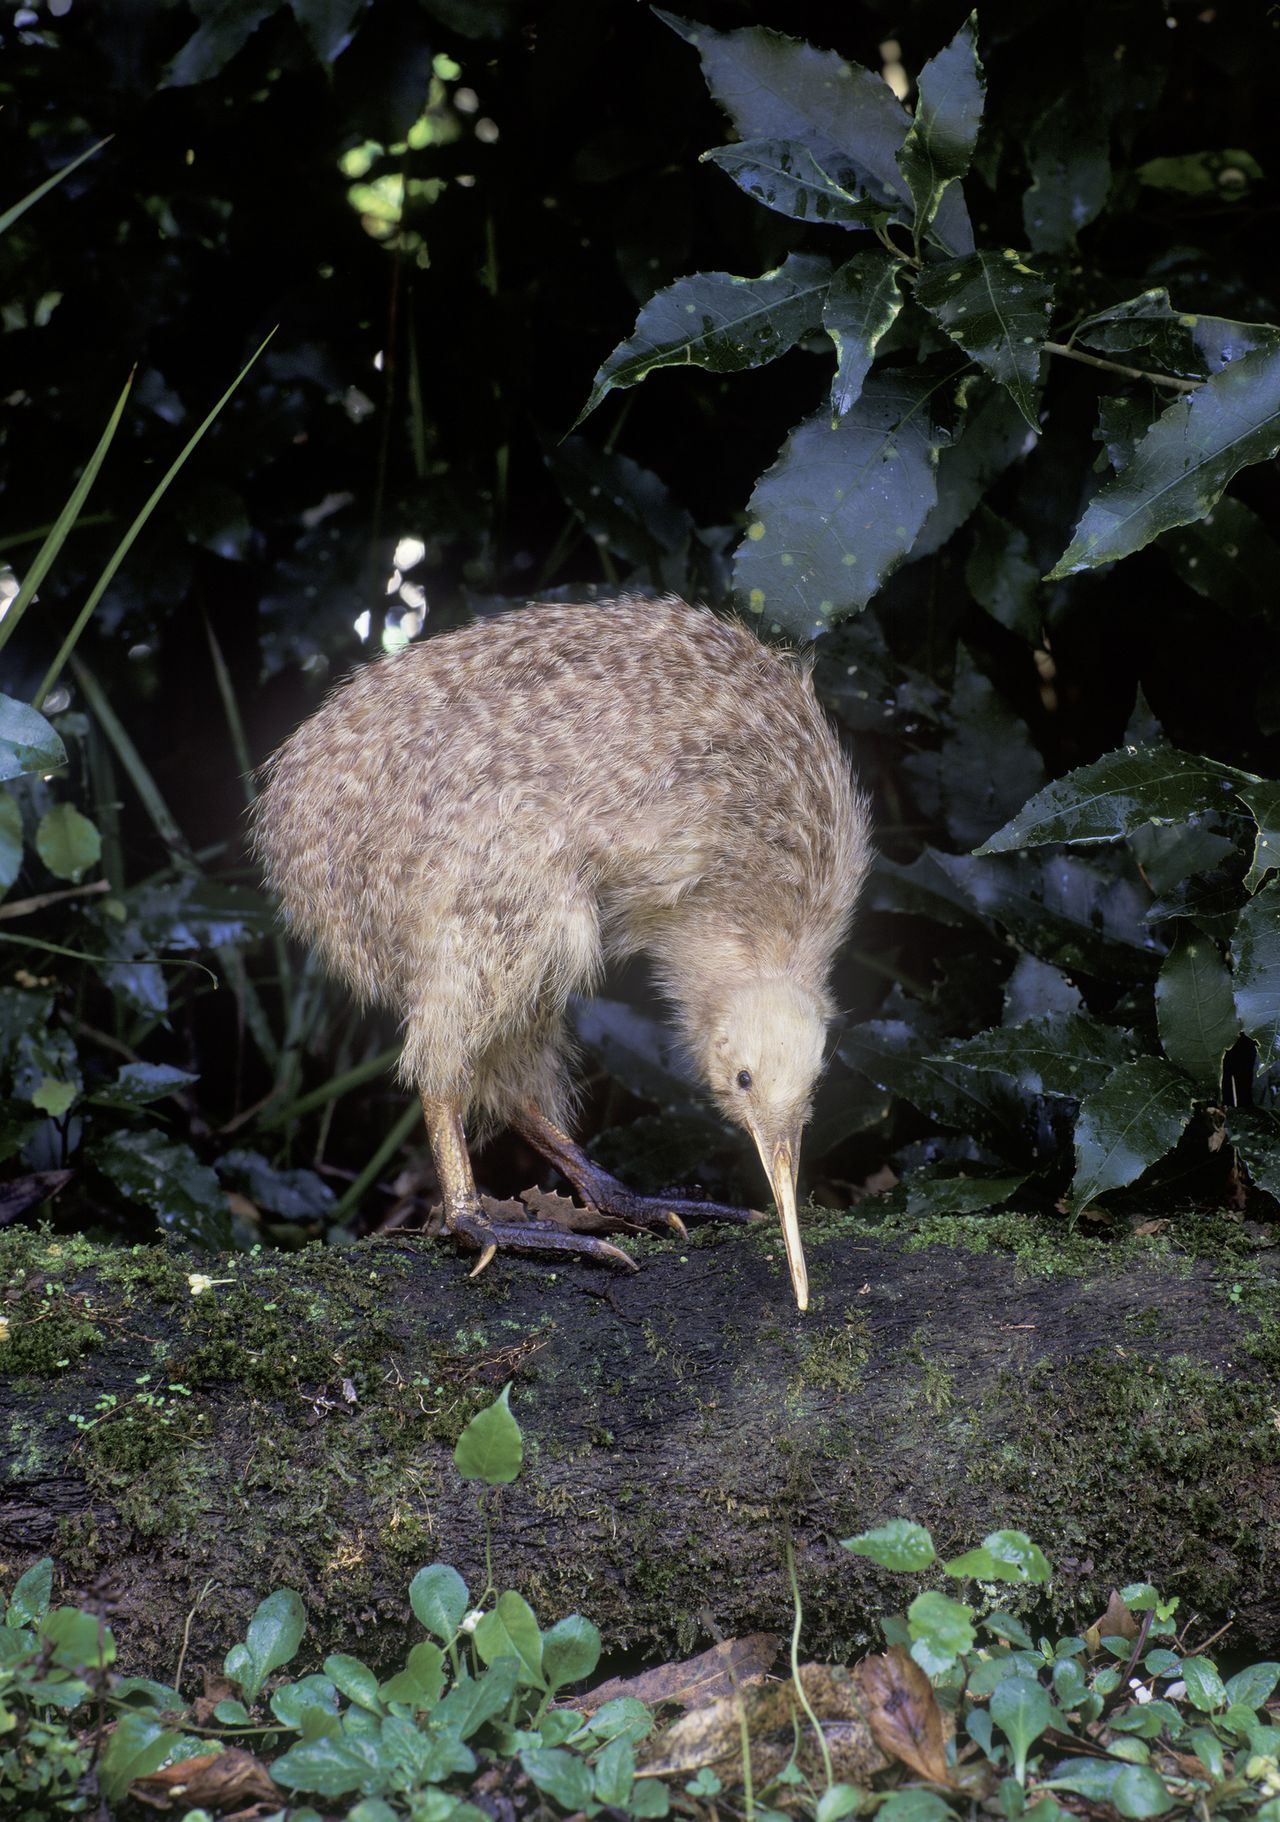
[
  {"x": 1130, "y": 1123},
  {"x": 1002, "y": 576},
  {"x": 1184, "y": 462},
  {"x": 718, "y": 321},
  {"x": 840, "y": 508},
  {"x": 901, "y": 1544},
  {"x": 1063, "y": 1053},
  {"x": 166, "y": 1177},
  {"x": 491, "y": 1448},
  {"x": 439, "y": 1598},
  {"x": 1195, "y": 1009},
  {"x": 1228, "y": 557},
  {"x": 1182, "y": 341},
  {"x": 1069, "y": 159},
  {"x": 785, "y": 176},
  {"x": 991, "y": 435},
  {"x": 67, "y": 842},
  {"x": 1113, "y": 795},
  {"x": 1081, "y": 916},
  {"x": 940, "y": 140},
  {"x": 1264, "y": 801},
  {"x": 136, "y": 1084},
  {"x": 997, "y": 309},
  {"x": 926, "y": 1194},
  {"x": 773, "y": 87},
  {"x": 894, "y": 1057},
  {"x": 986, "y": 768},
  {"x": 28, "y": 743},
  {"x": 1255, "y": 952},
  {"x": 624, "y": 508},
  {"x": 862, "y": 304}
]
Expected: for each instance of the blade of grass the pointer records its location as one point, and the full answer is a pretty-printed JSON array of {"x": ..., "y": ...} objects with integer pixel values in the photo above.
[
  {"x": 162, "y": 817},
  {"x": 333, "y": 1090},
  {"x": 16, "y": 209},
  {"x": 17, "y": 539},
  {"x": 62, "y": 525},
  {"x": 123, "y": 548},
  {"x": 410, "y": 1119}
]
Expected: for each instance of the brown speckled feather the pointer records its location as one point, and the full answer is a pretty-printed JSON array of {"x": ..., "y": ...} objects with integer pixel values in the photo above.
[{"x": 468, "y": 829}]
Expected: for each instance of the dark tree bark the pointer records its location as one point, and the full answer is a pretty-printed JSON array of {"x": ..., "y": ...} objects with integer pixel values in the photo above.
[{"x": 293, "y": 1424}]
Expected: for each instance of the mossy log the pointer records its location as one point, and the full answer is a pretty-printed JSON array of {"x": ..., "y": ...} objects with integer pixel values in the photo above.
[{"x": 178, "y": 1448}]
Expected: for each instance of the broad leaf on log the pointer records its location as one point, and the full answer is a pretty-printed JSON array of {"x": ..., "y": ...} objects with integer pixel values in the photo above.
[
  {"x": 1183, "y": 341},
  {"x": 1062, "y": 1053},
  {"x": 1130, "y": 1123},
  {"x": 716, "y": 320},
  {"x": 1255, "y": 953},
  {"x": 1264, "y": 801},
  {"x": 785, "y": 176},
  {"x": 1184, "y": 462},
  {"x": 940, "y": 141},
  {"x": 1105, "y": 800},
  {"x": 774, "y": 87},
  {"x": 841, "y": 506},
  {"x": 863, "y": 301},
  {"x": 1195, "y": 1009},
  {"x": 996, "y": 308}
]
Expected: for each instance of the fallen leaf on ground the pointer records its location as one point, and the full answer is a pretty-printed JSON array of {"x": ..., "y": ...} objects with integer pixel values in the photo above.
[
  {"x": 1116, "y": 1623},
  {"x": 694, "y": 1681},
  {"x": 219, "y": 1781},
  {"x": 903, "y": 1712}
]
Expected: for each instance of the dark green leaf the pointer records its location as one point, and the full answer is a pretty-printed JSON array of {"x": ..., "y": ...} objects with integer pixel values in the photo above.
[
  {"x": 222, "y": 31},
  {"x": 863, "y": 301},
  {"x": 1130, "y": 1123},
  {"x": 333, "y": 1766},
  {"x": 138, "y": 1083},
  {"x": 926, "y": 1194},
  {"x": 639, "y": 1050},
  {"x": 1065, "y": 1053},
  {"x": 1184, "y": 462},
  {"x": 293, "y": 1194},
  {"x": 1228, "y": 557},
  {"x": 989, "y": 764},
  {"x": 67, "y": 842},
  {"x": 559, "y": 1774},
  {"x": 923, "y": 889},
  {"x": 996, "y": 308},
  {"x": 491, "y": 1448},
  {"x": 1140, "y": 1791},
  {"x": 785, "y": 176},
  {"x": 893, "y": 1056},
  {"x": 1253, "y": 1686},
  {"x": 511, "y": 1630},
  {"x": 900, "y": 1544},
  {"x": 439, "y": 1598},
  {"x": 32, "y": 1592},
  {"x": 138, "y": 1744},
  {"x": 327, "y": 25},
  {"x": 940, "y": 140},
  {"x": 274, "y": 1634},
  {"x": 1182, "y": 341},
  {"x": 1105, "y": 800},
  {"x": 570, "y": 1651},
  {"x": 717, "y": 321},
  {"x": 1195, "y": 1009},
  {"x": 1069, "y": 158},
  {"x": 1067, "y": 910},
  {"x": 991, "y": 435},
  {"x": 166, "y": 1177},
  {"x": 624, "y": 508},
  {"x": 1173, "y": 855},
  {"x": 308, "y": 1706},
  {"x": 1255, "y": 1133},
  {"x": 615, "y": 1773},
  {"x": 840, "y": 508},
  {"x": 28, "y": 743},
  {"x": 10, "y": 841},
  {"x": 1035, "y": 990},
  {"x": 1002, "y": 577},
  {"x": 1255, "y": 952},
  {"x": 474, "y": 1700},
  {"x": 1264, "y": 801}
]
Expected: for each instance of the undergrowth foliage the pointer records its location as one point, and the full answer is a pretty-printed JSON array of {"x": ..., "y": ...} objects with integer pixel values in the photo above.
[{"x": 966, "y": 1705}]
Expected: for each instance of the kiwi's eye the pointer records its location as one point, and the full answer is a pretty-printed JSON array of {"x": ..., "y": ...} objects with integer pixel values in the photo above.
[{"x": 744, "y": 1078}]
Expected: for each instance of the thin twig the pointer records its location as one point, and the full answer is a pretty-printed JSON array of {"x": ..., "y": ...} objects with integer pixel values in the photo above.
[
  {"x": 186, "y": 1635},
  {"x": 1131, "y": 373},
  {"x": 23, "y": 907}
]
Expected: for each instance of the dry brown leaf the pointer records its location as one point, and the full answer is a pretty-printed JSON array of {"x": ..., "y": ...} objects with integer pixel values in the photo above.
[
  {"x": 219, "y": 1781},
  {"x": 1116, "y": 1623},
  {"x": 903, "y": 1712},
  {"x": 777, "y": 1727},
  {"x": 693, "y": 1682}
]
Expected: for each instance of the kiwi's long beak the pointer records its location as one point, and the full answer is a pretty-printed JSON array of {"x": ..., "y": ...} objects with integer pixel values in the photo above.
[{"x": 782, "y": 1161}]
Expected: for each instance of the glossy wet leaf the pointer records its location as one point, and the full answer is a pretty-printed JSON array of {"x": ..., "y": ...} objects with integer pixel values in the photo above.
[
  {"x": 137, "y": 1744},
  {"x": 940, "y": 1628},
  {"x": 989, "y": 764},
  {"x": 1064, "y": 1053},
  {"x": 295, "y": 1194},
  {"x": 1195, "y": 1008},
  {"x": 474, "y": 1700},
  {"x": 136, "y": 1084},
  {"x": 991, "y": 436},
  {"x": 559, "y": 1774},
  {"x": 1022, "y": 1710},
  {"x": 421, "y": 1682},
  {"x": 624, "y": 508},
  {"x": 1229, "y": 557},
  {"x": 1183, "y": 341},
  {"x": 925, "y": 1194},
  {"x": 1255, "y": 951},
  {"x": 893, "y": 1056},
  {"x": 332, "y": 1766},
  {"x": 1073, "y": 912},
  {"x": 1069, "y": 160},
  {"x": 784, "y": 175},
  {"x": 1002, "y": 576},
  {"x": 950, "y": 92},
  {"x": 67, "y": 842},
  {"x": 1264, "y": 801},
  {"x": 439, "y": 1598},
  {"x": 1003, "y": 1556},
  {"x": 1255, "y": 1133},
  {"x": 166, "y": 1176},
  {"x": 774, "y": 87},
  {"x": 718, "y": 321},
  {"x": 840, "y": 508},
  {"x": 997, "y": 308},
  {"x": 510, "y": 1629},
  {"x": 491, "y": 1448},
  {"x": 862, "y": 304},
  {"x": 28, "y": 743},
  {"x": 570, "y": 1651},
  {"x": 29, "y": 1601},
  {"x": 1184, "y": 462},
  {"x": 900, "y": 1544},
  {"x": 1127, "y": 1125},
  {"x": 1103, "y": 801},
  {"x": 272, "y": 1639},
  {"x": 355, "y": 1680},
  {"x": 1140, "y": 1791}
]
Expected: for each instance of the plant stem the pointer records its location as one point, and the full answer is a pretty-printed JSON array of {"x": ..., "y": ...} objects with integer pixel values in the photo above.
[
  {"x": 795, "y": 1664},
  {"x": 1132, "y": 373}
]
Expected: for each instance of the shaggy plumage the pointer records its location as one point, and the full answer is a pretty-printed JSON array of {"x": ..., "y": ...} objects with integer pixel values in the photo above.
[{"x": 468, "y": 830}]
